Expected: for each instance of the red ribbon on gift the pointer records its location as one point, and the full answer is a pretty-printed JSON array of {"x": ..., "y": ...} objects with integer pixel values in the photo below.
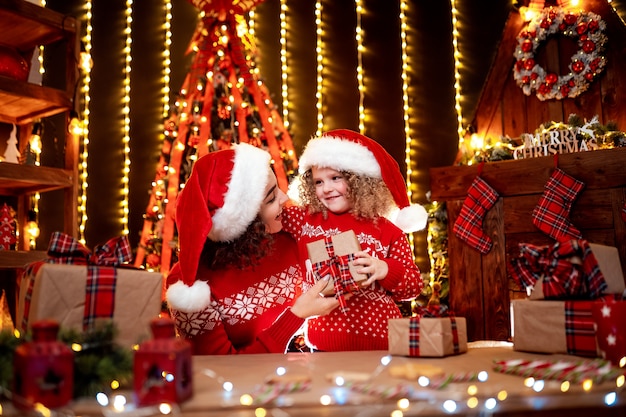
[
  {"x": 101, "y": 273},
  {"x": 414, "y": 335},
  {"x": 566, "y": 269},
  {"x": 338, "y": 267}
]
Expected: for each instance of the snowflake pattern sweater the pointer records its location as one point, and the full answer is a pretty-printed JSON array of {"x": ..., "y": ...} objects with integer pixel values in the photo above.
[
  {"x": 249, "y": 311},
  {"x": 364, "y": 325}
]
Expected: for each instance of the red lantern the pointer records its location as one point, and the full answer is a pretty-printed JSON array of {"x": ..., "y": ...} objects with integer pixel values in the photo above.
[
  {"x": 43, "y": 369},
  {"x": 12, "y": 64},
  {"x": 162, "y": 366}
]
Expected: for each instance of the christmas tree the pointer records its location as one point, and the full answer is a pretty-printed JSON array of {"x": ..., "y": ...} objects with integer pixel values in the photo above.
[{"x": 222, "y": 102}]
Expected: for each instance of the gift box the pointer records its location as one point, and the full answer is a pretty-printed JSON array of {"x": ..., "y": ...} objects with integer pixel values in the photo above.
[
  {"x": 334, "y": 256},
  {"x": 551, "y": 326},
  {"x": 574, "y": 269},
  {"x": 427, "y": 337},
  {"x": 81, "y": 290}
]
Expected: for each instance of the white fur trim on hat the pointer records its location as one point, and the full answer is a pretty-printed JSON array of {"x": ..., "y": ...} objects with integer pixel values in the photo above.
[
  {"x": 187, "y": 299},
  {"x": 410, "y": 219},
  {"x": 246, "y": 191},
  {"x": 339, "y": 154}
]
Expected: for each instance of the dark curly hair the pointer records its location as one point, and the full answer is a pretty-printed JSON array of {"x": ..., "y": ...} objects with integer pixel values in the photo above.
[
  {"x": 370, "y": 197},
  {"x": 246, "y": 250}
]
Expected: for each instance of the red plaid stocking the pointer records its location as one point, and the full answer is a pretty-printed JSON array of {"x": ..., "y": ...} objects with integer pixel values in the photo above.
[
  {"x": 468, "y": 226},
  {"x": 552, "y": 212}
]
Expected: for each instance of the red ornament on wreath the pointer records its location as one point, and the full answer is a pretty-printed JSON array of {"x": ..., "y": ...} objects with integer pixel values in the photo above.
[{"x": 586, "y": 64}]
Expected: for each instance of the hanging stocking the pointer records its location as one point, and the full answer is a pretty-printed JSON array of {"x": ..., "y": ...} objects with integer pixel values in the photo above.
[
  {"x": 469, "y": 225},
  {"x": 552, "y": 212}
]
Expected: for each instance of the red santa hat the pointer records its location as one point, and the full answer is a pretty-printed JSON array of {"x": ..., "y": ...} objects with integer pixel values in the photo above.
[
  {"x": 222, "y": 196},
  {"x": 346, "y": 150}
]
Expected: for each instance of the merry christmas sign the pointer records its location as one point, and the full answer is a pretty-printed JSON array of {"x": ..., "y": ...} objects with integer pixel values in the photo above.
[{"x": 550, "y": 142}]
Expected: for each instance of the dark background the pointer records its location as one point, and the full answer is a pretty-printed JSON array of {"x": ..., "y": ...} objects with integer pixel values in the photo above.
[{"x": 433, "y": 119}]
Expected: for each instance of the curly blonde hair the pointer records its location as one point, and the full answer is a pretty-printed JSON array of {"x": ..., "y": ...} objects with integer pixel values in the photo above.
[{"x": 369, "y": 196}]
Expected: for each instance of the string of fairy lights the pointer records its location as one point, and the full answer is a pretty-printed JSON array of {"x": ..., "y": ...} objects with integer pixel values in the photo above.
[
  {"x": 85, "y": 65},
  {"x": 319, "y": 59},
  {"x": 359, "y": 66},
  {"x": 284, "y": 88}
]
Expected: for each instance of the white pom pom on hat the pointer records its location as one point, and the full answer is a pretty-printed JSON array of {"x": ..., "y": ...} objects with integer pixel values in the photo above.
[
  {"x": 346, "y": 150},
  {"x": 222, "y": 196}
]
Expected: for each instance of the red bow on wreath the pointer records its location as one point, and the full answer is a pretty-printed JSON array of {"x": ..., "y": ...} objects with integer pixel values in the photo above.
[
  {"x": 101, "y": 273},
  {"x": 339, "y": 269}
]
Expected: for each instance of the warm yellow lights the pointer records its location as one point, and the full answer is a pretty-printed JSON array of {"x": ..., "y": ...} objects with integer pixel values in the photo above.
[
  {"x": 457, "y": 76},
  {"x": 319, "y": 49},
  {"x": 126, "y": 112},
  {"x": 359, "y": 68},
  {"x": 406, "y": 107},
  {"x": 283, "y": 62},
  {"x": 167, "y": 57}
]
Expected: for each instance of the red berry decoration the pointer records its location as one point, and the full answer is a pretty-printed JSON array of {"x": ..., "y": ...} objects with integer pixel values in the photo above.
[
  {"x": 589, "y": 47},
  {"x": 578, "y": 67}
]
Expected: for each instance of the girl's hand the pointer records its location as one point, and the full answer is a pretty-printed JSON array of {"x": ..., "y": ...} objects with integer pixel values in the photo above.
[
  {"x": 376, "y": 269},
  {"x": 313, "y": 303}
]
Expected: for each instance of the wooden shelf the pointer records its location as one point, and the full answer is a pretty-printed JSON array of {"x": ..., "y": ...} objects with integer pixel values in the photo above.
[
  {"x": 19, "y": 259},
  {"x": 27, "y": 179},
  {"x": 22, "y": 102},
  {"x": 26, "y": 25}
]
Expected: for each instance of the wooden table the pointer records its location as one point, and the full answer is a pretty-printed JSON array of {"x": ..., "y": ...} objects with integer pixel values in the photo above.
[{"x": 247, "y": 372}]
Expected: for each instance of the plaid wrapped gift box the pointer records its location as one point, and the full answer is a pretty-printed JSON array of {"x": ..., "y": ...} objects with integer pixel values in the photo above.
[
  {"x": 334, "y": 256},
  {"x": 427, "y": 336},
  {"x": 79, "y": 290},
  {"x": 554, "y": 326}
]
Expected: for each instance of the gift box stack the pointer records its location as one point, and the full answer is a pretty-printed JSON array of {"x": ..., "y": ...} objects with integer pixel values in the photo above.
[
  {"x": 575, "y": 292},
  {"x": 80, "y": 290}
]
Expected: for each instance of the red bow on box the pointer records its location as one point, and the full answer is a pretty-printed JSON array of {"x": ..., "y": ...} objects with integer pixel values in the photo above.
[
  {"x": 566, "y": 269},
  {"x": 339, "y": 269},
  {"x": 101, "y": 272}
]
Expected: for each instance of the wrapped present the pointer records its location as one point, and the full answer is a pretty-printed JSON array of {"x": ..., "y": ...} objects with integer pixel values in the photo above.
[
  {"x": 552, "y": 326},
  {"x": 609, "y": 264},
  {"x": 80, "y": 290},
  {"x": 566, "y": 270},
  {"x": 334, "y": 256},
  {"x": 427, "y": 336}
]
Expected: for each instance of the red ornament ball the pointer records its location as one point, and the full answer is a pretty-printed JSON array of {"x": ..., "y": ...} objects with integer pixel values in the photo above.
[
  {"x": 527, "y": 45},
  {"x": 578, "y": 67},
  {"x": 589, "y": 46}
]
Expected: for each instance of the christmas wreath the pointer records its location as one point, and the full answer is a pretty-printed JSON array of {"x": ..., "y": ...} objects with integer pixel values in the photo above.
[{"x": 586, "y": 64}]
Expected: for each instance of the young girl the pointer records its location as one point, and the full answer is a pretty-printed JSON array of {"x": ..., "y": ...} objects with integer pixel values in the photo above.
[{"x": 349, "y": 182}]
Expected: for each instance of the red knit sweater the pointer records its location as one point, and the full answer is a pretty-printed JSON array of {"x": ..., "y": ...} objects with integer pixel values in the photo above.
[
  {"x": 364, "y": 325},
  {"x": 249, "y": 311}
]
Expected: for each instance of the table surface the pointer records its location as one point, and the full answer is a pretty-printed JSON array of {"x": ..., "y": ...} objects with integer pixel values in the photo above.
[{"x": 507, "y": 394}]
